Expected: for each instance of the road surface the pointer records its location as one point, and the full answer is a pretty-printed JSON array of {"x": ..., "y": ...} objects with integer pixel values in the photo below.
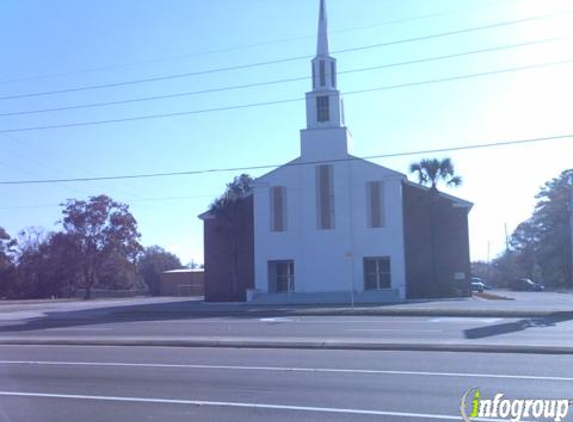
[
  {"x": 434, "y": 330},
  {"x": 45, "y": 384}
]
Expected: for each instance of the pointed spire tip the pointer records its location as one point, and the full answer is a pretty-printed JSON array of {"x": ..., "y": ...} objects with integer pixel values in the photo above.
[{"x": 322, "y": 46}]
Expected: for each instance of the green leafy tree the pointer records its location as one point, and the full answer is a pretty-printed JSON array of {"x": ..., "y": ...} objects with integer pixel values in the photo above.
[
  {"x": 431, "y": 172},
  {"x": 541, "y": 246},
  {"x": 225, "y": 208},
  {"x": 103, "y": 231},
  {"x": 153, "y": 261},
  {"x": 33, "y": 269},
  {"x": 6, "y": 245},
  {"x": 64, "y": 264},
  {"x": 6, "y": 263},
  {"x": 48, "y": 265}
]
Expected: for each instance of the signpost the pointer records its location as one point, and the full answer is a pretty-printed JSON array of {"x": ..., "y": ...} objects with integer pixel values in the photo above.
[{"x": 571, "y": 227}]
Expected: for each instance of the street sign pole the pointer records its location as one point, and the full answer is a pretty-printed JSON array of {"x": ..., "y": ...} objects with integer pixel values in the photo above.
[{"x": 571, "y": 227}]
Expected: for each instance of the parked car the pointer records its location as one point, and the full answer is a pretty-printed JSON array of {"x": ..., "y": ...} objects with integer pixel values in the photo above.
[
  {"x": 486, "y": 285},
  {"x": 483, "y": 282},
  {"x": 477, "y": 285},
  {"x": 526, "y": 285}
]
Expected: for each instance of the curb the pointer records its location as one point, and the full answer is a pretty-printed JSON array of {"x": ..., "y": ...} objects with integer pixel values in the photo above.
[
  {"x": 303, "y": 345},
  {"x": 282, "y": 312}
]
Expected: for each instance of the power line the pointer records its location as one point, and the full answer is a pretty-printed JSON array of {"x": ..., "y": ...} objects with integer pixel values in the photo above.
[
  {"x": 151, "y": 116},
  {"x": 284, "y": 101},
  {"x": 52, "y": 160},
  {"x": 421, "y": 17},
  {"x": 462, "y": 77},
  {"x": 278, "y": 61},
  {"x": 280, "y": 81},
  {"x": 260, "y": 44},
  {"x": 131, "y": 201},
  {"x": 292, "y": 164},
  {"x": 450, "y": 33}
]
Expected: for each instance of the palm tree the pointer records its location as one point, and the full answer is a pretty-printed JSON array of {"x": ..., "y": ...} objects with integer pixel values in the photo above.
[{"x": 430, "y": 172}]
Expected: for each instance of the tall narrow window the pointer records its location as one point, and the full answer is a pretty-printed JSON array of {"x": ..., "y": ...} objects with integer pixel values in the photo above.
[
  {"x": 375, "y": 204},
  {"x": 325, "y": 197},
  {"x": 333, "y": 73},
  {"x": 377, "y": 273},
  {"x": 278, "y": 208},
  {"x": 322, "y": 70},
  {"x": 322, "y": 108},
  {"x": 313, "y": 76}
]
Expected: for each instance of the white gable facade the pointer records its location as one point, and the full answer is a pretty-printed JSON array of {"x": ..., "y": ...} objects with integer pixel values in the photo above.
[{"x": 328, "y": 227}]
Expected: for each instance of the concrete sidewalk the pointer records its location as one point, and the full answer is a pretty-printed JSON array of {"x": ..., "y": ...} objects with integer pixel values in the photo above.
[
  {"x": 510, "y": 304},
  {"x": 522, "y": 305},
  {"x": 516, "y": 304}
]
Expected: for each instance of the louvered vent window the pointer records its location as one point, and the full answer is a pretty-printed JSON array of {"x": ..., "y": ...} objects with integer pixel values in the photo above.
[
  {"x": 325, "y": 197},
  {"x": 278, "y": 208},
  {"x": 375, "y": 204}
]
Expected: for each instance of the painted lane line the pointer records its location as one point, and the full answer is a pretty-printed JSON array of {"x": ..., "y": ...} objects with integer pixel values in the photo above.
[
  {"x": 465, "y": 320},
  {"x": 401, "y": 330},
  {"x": 288, "y": 369},
  {"x": 238, "y": 405},
  {"x": 78, "y": 329},
  {"x": 277, "y": 319}
]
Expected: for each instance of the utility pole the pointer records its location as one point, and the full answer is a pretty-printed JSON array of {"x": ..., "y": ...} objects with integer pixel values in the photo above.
[
  {"x": 487, "y": 262},
  {"x": 506, "y": 238},
  {"x": 571, "y": 227}
]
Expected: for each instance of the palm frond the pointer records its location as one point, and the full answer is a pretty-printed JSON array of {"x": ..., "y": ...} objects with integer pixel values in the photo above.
[
  {"x": 454, "y": 181},
  {"x": 430, "y": 171}
]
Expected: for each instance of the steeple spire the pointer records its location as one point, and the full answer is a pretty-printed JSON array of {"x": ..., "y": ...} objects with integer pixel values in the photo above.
[
  {"x": 322, "y": 44},
  {"x": 323, "y": 66},
  {"x": 323, "y": 102},
  {"x": 325, "y": 134}
]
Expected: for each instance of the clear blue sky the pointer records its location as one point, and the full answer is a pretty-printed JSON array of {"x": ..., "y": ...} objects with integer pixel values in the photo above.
[{"x": 55, "y": 44}]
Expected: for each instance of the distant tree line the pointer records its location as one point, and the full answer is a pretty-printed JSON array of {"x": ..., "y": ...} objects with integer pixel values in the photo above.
[
  {"x": 97, "y": 248},
  {"x": 541, "y": 247}
]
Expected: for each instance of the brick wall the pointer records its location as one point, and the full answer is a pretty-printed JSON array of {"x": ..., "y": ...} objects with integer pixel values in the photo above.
[
  {"x": 219, "y": 254},
  {"x": 425, "y": 215},
  {"x": 182, "y": 283}
]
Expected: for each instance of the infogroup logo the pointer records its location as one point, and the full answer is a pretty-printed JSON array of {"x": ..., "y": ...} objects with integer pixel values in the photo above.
[{"x": 473, "y": 405}]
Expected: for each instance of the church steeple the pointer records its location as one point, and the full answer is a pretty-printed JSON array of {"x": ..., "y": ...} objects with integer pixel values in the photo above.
[
  {"x": 323, "y": 103},
  {"x": 322, "y": 44}
]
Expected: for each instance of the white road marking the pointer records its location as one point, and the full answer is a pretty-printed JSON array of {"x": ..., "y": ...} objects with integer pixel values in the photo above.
[
  {"x": 466, "y": 320},
  {"x": 282, "y": 319},
  {"x": 239, "y": 405},
  {"x": 78, "y": 329},
  {"x": 381, "y": 320},
  {"x": 289, "y": 369},
  {"x": 401, "y": 330},
  {"x": 278, "y": 319}
]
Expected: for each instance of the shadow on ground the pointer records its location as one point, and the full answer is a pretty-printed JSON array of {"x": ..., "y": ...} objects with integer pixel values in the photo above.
[
  {"x": 516, "y": 326},
  {"x": 181, "y": 310}
]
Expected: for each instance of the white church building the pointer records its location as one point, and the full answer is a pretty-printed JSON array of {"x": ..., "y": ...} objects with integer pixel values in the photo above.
[{"x": 328, "y": 226}]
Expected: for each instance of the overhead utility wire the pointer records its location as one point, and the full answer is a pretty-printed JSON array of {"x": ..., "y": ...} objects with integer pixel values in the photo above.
[
  {"x": 131, "y": 201},
  {"x": 421, "y": 17},
  {"x": 278, "y": 61},
  {"x": 51, "y": 160},
  {"x": 291, "y": 100},
  {"x": 261, "y": 44},
  {"x": 280, "y": 81},
  {"x": 292, "y": 164}
]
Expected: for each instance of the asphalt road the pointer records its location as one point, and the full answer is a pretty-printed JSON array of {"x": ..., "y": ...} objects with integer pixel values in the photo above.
[
  {"x": 431, "y": 330},
  {"x": 44, "y": 384}
]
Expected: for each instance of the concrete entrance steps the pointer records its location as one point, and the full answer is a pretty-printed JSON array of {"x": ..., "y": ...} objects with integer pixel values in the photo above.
[{"x": 371, "y": 296}]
